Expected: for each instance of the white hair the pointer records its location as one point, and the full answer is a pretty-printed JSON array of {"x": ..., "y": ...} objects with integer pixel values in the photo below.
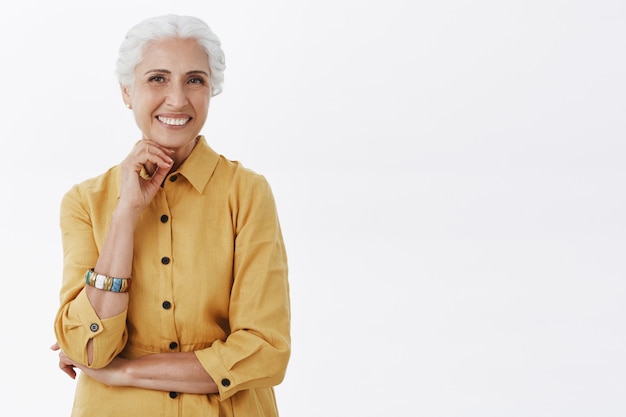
[{"x": 166, "y": 27}]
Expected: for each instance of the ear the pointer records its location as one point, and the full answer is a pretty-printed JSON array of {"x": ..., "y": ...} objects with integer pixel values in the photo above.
[{"x": 126, "y": 95}]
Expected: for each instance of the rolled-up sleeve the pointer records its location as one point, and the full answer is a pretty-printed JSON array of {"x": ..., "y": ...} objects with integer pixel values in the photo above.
[
  {"x": 76, "y": 321},
  {"x": 256, "y": 352}
]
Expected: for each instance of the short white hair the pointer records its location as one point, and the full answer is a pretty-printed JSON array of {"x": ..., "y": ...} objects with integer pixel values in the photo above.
[{"x": 166, "y": 27}]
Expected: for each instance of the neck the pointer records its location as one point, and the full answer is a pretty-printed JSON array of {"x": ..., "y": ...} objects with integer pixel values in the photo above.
[{"x": 182, "y": 153}]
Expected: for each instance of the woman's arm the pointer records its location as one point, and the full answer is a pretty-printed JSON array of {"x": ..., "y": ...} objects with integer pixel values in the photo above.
[
  {"x": 80, "y": 320},
  {"x": 115, "y": 260},
  {"x": 176, "y": 371},
  {"x": 116, "y": 256}
]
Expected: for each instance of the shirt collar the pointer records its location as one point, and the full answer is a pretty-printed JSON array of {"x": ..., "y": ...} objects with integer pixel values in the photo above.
[{"x": 199, "y": 165}]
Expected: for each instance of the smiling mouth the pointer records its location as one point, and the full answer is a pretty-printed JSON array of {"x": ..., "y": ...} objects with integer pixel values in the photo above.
[{"x": 174, "y": 121}]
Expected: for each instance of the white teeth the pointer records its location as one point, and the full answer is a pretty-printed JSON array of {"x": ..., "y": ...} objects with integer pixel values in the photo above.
[{"x": 173, "y": 121}]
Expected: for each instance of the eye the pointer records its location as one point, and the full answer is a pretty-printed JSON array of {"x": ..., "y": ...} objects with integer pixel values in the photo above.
[
  {"x": 197, "y": 81},
  {"x": 156, "y": 79}
]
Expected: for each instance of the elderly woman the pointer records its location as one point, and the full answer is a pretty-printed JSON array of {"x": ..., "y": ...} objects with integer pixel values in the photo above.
[{"x": 175, "y": 298}]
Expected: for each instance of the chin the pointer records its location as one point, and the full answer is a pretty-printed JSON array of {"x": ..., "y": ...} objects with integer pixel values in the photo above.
[{"x": 174, "y": 139}]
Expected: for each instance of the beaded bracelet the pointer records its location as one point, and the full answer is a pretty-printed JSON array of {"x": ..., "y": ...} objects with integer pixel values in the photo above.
[{"x": 103, "y": 282}]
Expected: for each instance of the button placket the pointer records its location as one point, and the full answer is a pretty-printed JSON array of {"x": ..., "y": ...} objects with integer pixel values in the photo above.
[{"x": 163, "y": 217}]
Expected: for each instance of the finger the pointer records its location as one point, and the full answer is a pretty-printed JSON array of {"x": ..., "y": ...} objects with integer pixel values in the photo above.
[
  {"x": 159, "y": 175},
  {"x": 158, "y": 152},
  {"x": 148, "y": 152},
  {"x": 69, "y": 370},
  {"x": 55, "y": 346},
  {"x": 153, "y": 147},
  {"x": 149, "y": 169}
]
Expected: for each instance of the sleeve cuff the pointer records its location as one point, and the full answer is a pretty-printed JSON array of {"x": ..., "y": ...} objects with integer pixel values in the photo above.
[
  {"x": 107, "y": 344},
  {"x": 214, "y": 367}
]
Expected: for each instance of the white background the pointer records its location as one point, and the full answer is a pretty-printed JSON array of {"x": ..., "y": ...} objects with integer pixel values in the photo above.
[{"x": 449, "y": 176}]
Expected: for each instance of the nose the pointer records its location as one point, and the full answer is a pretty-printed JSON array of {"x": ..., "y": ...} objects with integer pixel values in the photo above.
[{"x": 176, "y": 96}]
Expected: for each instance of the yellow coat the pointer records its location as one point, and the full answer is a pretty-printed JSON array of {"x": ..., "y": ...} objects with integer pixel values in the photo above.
[{"x": 209, "y": 276}]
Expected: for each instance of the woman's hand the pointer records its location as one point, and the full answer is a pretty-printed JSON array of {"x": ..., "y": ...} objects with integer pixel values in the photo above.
[
  {"x": 154, "y": 160},
  {"x": 66, "y": 364},
  {"x": 110, "y": 375}
]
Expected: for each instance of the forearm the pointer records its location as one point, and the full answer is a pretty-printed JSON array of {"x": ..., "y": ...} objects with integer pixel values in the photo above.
[
  {"x": 115, "y": 260},
  {"x": 178, "y": 372}
]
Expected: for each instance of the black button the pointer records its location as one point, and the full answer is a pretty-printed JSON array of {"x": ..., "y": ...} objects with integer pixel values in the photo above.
[
  {"x": 164, "y": 218},
  {"x": 173, "y": 345},
  {"x": 94, "y": 327},
  {"x": 165, "y": 260},
  {"x": 166, "y": 305},
  {"x": 173, "y": 394},
  {"x": 173, "y": 178},
  {"x": 225, "y": 382}
]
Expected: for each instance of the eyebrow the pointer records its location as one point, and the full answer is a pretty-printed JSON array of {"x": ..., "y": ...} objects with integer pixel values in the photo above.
[{"x": 169, "y": 72}]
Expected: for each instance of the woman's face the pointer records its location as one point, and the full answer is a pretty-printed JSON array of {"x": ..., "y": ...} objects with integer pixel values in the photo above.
[{"x": 171, "y": 93}]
